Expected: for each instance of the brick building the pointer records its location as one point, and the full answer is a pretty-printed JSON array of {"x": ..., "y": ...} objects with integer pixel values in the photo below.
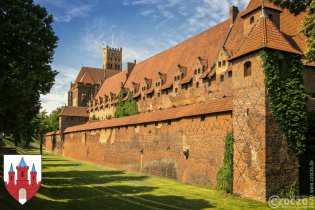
[{"x": 190, "y": 96}]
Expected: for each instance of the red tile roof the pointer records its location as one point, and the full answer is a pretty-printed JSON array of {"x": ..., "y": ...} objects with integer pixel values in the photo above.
[
  {"x": 167, "y": 84},
  {"x": 74, "y": 111},
  {"x": 150, "y": 90},
  {"x": 204, "y": 74},
  {"x": 86, "y": 78},
  {"x": 112, "y": 85},
  {"x": 206, "y": 45},
  {"x": 264, "y": 35},
  {"x": 256, "y": 4},
  {"x": 96, "y": 74},
  {"x": 208, "y": 107},
  {"x": 187, "y": 78}
]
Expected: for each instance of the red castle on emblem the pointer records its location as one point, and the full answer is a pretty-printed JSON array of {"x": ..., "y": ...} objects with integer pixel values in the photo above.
[{"x": 22, "y": 190}]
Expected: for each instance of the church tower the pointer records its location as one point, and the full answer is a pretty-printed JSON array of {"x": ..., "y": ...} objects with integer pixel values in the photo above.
[{"x": 112, "y": 58}]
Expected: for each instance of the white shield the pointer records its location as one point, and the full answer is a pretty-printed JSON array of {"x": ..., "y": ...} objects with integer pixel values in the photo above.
[{"x": 22, "y": 176}]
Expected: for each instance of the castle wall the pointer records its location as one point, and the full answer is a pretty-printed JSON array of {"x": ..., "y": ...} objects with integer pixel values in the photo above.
[
  {"x": 263, "y": 163},
  {"x": 68, "y": 121},
  {"x": 157, "y": 148}
]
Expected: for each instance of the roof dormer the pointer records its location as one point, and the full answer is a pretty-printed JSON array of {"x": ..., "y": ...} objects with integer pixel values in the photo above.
[{"x": 254, "y": 10}]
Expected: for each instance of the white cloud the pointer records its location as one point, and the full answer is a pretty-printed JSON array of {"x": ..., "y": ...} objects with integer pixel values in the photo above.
[
  {"x": 65, "y": 11},
  {"x": 58, "y": 94},
  {"x": 100, "y": 33}
]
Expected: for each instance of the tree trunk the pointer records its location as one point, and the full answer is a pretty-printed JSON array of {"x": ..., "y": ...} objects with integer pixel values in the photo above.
[{"x": 41, "y": 143}]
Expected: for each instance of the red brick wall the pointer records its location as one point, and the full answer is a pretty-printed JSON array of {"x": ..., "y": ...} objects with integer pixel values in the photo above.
[
  {"x": 162, "y": 146},
  {"x": 263, "y": 162}
]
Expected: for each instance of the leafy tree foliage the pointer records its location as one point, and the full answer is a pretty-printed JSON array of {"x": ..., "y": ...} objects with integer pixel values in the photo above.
[
  {"x": 26, "y": 51},
  {"x": 44, "y": 123},
  {"x": 286, "y": 96},
  {"x": 296, "y": 7},
  {"x": 225, "y": 173},
  {"x": 125, "y": 108},
  {"x": 309, "y": 31}
]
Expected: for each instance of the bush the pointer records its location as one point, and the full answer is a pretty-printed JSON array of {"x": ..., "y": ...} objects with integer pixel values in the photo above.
[{"x": 225, "y": 173}]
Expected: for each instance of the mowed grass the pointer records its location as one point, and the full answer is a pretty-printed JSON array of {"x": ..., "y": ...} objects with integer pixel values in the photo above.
[{"x": 72, "y": 184}]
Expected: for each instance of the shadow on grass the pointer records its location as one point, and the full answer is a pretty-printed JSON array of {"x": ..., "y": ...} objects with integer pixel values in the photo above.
[
  {"x": 88, "y": 189},
  {"x": 75, "y": 189}
]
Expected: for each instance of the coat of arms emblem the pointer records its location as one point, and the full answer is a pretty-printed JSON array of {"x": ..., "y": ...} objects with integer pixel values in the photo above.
[{"x": 22, "y": 176}]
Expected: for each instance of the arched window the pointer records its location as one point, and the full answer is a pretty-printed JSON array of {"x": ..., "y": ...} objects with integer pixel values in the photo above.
[
  {"x": 224, "y": 63},
  {"x": 251, "y": 20},
  {"x": 247, "y": 69},
  {"x": 219, "y": 64}
]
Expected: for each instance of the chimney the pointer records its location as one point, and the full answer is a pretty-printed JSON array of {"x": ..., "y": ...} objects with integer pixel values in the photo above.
[
  {"x": 233, "y": 13},
  {"x": 130, "y": 67}
]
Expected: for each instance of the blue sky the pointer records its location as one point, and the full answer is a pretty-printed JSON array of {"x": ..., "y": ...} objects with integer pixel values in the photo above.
[{"x": 141, "y": 27}]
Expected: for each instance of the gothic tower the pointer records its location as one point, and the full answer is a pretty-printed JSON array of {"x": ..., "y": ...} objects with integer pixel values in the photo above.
[
  {"x": 22, "y": 172},
  {"x": 11, "y": 176},
  {"x": 33, "y": 176},
  {"x": 112, "y": 58}
]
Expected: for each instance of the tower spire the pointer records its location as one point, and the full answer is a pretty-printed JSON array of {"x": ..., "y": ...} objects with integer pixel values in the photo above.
[
  {"x": 11, "y": 168},
  {"x": 263, "y": 14}
]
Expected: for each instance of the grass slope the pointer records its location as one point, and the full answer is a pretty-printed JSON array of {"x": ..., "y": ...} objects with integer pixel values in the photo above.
[{"x": 71, "y": 184}]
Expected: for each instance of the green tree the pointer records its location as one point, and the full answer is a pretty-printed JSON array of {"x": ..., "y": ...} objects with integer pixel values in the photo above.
[
  {"x": 296, "y": 7},
  {"x": 309, "y": 31},
  {"x": 120, "y": 106},
  {"x": 26, "y": 51},
  {"x": 125, "y": 108},
  {"x": 42, "y": 126},
  {"x": 53, "y": 119}
]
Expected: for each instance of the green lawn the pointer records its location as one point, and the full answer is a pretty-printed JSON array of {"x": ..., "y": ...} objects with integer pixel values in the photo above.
[{"x": 71, "y": 184}]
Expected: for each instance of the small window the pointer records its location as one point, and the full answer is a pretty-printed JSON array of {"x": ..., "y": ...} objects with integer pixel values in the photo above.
[
  {"x": 176, "y": 90},
  {"x": 198, "y": 71},
  {"x": 166, "y": 92},
  {"x": 22, "y": 174},
  {"x": 224, "y": 63},
  {"x": 230, "y": 74},
  {"x": 145, "y": 125},
  {"x": 247, "y": 69},
  {"x": 197, "y": 85},
  {"x": 156, "y": 124},
  {"x": 251, "y": 20},
  {"x": 221, "y": 78},
  {"x": 159, "y": 94},
  {"x": 202, "y": 118},
  {"x": 195, "y": 72},
  {"x": 219, "y": 64},
  {"x": 169, "y": 122},
  {"x": 270, "y": 16}
]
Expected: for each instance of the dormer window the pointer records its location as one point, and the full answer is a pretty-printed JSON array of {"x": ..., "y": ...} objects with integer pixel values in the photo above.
[
  {"x": 251, "y": 20},
  {"x": 195, "y": 72},
  {"x": 270, "y": 17},
  {"x": 219, "y": 64},
  {"x": 198, "y": 71},
  {"x": 223, "y": 64}
]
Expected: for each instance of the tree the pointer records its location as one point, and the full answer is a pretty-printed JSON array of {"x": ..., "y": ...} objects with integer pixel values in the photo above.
[
  {"x": 44, "y": 123},
  {"x": 296, "y": 7},
  {"x": 42, "y": 126},
  {"x": 53, "y": 119},
  {"x": 26, "y": 51},
  {"x": 309, "y": 31},
  {"x": 125, "y": 108}
]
